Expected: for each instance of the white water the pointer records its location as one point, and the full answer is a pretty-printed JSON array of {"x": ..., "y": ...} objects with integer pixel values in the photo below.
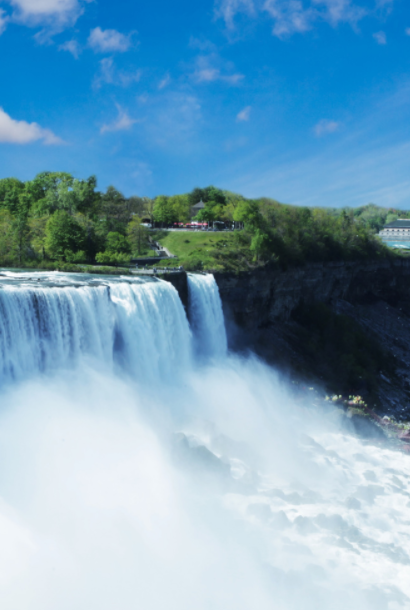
[
  {"x": 206, "y": 317},
  {"x": 130, "y": 479},
  {"x": 141, "y": 327}
]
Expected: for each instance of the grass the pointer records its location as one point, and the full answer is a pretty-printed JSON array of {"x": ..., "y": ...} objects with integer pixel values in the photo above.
[{"x": 204, "y": 250}]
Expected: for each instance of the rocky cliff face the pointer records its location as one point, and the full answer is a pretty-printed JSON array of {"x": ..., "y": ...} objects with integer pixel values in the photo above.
[
  {"x": 268, "y": 295},
  {"x": 259, "y": 309}
]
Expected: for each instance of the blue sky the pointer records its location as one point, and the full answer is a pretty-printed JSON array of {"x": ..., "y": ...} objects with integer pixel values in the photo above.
[{"x": 306, "y": 101}]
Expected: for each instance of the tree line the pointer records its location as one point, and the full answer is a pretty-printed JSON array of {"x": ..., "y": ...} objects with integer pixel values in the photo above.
[{"x": 57, "y": 217}]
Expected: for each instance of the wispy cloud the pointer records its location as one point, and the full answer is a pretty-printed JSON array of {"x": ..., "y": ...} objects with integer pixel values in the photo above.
[
  {"x": 173, "y": 116},
  {"x": 361, "y": 165},
  {"x": 72, "y": 46},
  {"x": 109, "y": 41},
  {"x": 21, "y": 132},
  {"x": 123, "y": 122},
  {"x": 110, "y": 75},
  {"x": 325, "y": 126},
  {"x": 164, "y": 82},
  {"x": 3, "y": 20},
  {"x": 380, "y": 37},
  {"x": 407, "y": 31},
  {"x": 228, "y": 9},
  {"x": 293, "y": 16},
  {"x": 208, "y": 69},
  {"x": 202, "y": 44},
  {"x": 244, "y": 115}
]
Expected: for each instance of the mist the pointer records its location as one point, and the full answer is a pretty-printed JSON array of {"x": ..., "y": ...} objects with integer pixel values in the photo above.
[{"x": 208, "y": 489}]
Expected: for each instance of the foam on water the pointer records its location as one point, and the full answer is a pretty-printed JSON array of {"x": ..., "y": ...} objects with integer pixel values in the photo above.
[{"x": 177, "y": 486}]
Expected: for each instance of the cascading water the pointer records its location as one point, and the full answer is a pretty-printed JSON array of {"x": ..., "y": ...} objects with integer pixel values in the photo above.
[
  {"x": 206, "y": 316},
  {"x": 176, "y": 486},
  {"x": 140, "y": 326}
]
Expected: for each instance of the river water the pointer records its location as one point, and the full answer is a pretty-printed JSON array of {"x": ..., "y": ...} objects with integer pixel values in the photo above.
[{"x": 144, "y": 466}]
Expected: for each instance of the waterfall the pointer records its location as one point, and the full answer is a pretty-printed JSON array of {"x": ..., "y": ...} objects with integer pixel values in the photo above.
[
  {"x": 206, "y": 315},
  {"x": 189, "y": 486},
  {"x": 139, "y": 326}
]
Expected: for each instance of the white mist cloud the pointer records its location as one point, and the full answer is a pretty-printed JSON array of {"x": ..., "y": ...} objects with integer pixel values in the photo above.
[
  {"x": 293, "y": 16},
  {"x": 164, "y": 82},
  {"x": 3, "y": 20},
  {"x": 129, "y": 497},
  {"x": 72, "y": 46},
  {"x": 244, "y": 114},
  {"x": 20, "y": 132},
  {"x": 326, "y": 126},
  {"x": 228, "y": 9},
  {"x": 110, "y": 75},
  {"x": 380, "y": 37},
  {"x": 210, "y": 68},
  {"x": 123, "y": 122},
  {"x": 109, "y": 41},
  {"x": 407, "y": 31}
]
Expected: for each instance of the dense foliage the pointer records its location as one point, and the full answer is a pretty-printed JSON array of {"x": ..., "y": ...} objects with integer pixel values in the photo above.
[{"x": 56, "y": 217}]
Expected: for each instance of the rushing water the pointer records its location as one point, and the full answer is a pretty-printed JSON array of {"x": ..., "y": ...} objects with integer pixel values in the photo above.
[{"x": 138, "y": 470}]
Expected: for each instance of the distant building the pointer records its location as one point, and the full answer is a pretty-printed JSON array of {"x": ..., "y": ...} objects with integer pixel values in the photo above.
[
  {"x": 197, "y": 208},
  {"x": 399, "y": 230}
]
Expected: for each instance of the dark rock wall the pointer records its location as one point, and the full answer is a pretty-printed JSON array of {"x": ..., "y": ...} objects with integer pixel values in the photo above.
[
  {"x": 180, "y": 281},
  {"x": 258, "y": 309},
  {"x": 269, "y": 295}
]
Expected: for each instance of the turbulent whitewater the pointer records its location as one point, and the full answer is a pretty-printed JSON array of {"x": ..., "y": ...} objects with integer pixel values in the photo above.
[{"x": 143, "y": 466}]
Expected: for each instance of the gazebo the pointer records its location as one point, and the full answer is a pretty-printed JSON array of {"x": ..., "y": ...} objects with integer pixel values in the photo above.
[{"x": 197, "y": 208}]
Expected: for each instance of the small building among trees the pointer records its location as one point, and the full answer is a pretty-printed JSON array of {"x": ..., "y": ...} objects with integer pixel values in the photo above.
[
  {"x": 399, "y": 230},
  {"x": 195, "y": 209}
]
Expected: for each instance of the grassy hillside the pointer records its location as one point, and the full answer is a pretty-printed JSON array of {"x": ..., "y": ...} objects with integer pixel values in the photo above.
[{"x": 203, "y": 250}]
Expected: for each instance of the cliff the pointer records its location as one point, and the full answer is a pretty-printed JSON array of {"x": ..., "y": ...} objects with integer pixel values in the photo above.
[
  {"x": 263, "y": 313},
  {"x": 269, "y": 295}
]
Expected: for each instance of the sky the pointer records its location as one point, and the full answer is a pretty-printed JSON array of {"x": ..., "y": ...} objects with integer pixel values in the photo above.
[{"x": 304, "y": 101}]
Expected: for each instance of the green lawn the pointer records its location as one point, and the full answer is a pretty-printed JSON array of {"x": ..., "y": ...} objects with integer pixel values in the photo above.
[{"x": 204, "y": 250}]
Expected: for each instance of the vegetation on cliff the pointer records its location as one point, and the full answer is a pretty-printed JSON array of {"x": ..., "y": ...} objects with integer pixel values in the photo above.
[{"x": 56, "y": 218}]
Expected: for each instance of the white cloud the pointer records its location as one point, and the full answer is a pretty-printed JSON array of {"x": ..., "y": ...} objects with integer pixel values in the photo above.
[
  {"x": 293, "y": 16},
  {"x": 164, "y": 82},
  {"x": 228, "y": 9},
  {"x": 407, "y": 30},
  {"x": 110, "y": 75},
  {"x": 380, "y": 37},
  {"x": 326, "y": 126},
  {"x": 123, "y": 122},
  {"x": 54, "y": 15},
  {"x": 108, "y": 41},
  {"x": 21, "y": 132},
  {"x": 244, "y": 114},
  {"x": 3, "y": 20},
  {"x": 289, "y": 17},
  {"x": 72, "y": 46},
  {"x": 207, "y": 71}
]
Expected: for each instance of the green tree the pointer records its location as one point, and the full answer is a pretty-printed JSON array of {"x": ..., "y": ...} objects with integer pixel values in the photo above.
[
  {"x": 63, "y": 234},
  {"x": 117, "y": 243},
  {"x": 8, "y": 250},
  {"x": 260, "y": 245},
  {"x": 137, "y": 235},
  {"x": 163, "y": 211}
]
